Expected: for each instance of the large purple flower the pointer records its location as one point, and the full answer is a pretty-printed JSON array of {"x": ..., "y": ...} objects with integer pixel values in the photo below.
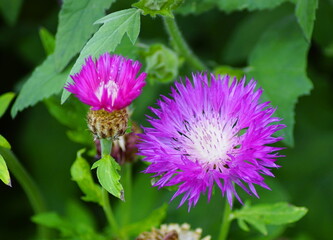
[
  {"x": 109, "y": 83},
  {"x": 211, "y": 131}
]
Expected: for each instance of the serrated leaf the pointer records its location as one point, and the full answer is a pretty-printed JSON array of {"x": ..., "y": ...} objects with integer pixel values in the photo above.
[
  {"x": 4, "y": 143},
  {"x": 5, "y": 100},
  {"x": 10, "y": 10},
  {"x": 44, "y": 82},
  {"x": 161, "y": 7},
  {"x": 107, "y": 38},
  {"x": 75, "y": 27},
  {"x": 269, "y": 214},
  {"x": 153, "y": 220},
  {"x": 108, "y": 176},
  {"x": 306, "y": 15},
  {"x": 81, "y": 174},
  {"x": 4, "y": 173},
  {"x": 281, "y": 74},
  {"x": 48, "y": 40}
]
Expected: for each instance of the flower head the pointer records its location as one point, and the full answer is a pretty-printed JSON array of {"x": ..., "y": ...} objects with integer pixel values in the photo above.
[
  {"x": 211, "y": 132},
  {"x": 109, "y": 83},
  {"x": 173, "y": 232}
]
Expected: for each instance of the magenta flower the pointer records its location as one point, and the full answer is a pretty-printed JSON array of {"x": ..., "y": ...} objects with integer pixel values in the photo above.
[
  {"x": 209, "y": 133},
  {"x": 109, "y": 83}
]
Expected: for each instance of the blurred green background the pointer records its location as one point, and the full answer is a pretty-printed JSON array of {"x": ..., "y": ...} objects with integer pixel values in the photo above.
[{"x": 40, "y": 142}]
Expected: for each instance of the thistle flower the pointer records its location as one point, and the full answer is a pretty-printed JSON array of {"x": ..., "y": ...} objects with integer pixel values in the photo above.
[
  {"x": 211, "y": 132},
  {"x": 108, "y": 85},
  {"x": 173, "y": 232}
]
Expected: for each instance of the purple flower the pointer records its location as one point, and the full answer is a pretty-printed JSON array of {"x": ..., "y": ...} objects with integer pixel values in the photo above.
[
  {"x": 109, "y": 83},
  {"x": 211, "y": 131}
]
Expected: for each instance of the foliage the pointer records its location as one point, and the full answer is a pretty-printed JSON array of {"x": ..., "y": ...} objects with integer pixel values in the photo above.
[{"x": 285, "y": 45}]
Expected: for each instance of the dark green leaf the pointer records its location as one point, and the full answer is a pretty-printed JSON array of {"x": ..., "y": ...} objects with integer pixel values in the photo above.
[
  {"x": 81, "y": 174},
  {"x": 5, "y": 100},
  {"x": 53, "y": 220},
  {"x": 47, "y": 40},
  {"x": 153, "y": 220},
  {"x": 108, "y": 36},
  {"x": 75, "y": 27},
  {"x": 10, "y": 10},
  {"x": 108, "y": 176},
  {"x": 44, "y": 82},
  {"x": 306, "y": 15},
  {"x": 268, "y": 214},
  {"x": 4, "y": 174},
  {"x": 161, "y": 7},
  {"x": 195, "y": 7},
  {"x": 281, "y": 74},
  {"x": 232, "y": 5},
  {"x": 4, "y": 143}
]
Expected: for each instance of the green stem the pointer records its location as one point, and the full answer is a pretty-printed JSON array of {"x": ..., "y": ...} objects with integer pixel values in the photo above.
[
  {"x": 108, "y": 212},
  {"x": 225, "y": 221},
  {"x": 29, "y": 187},
  {"x": 128, "y": 187},
  {"x": 106, "y": 147},
  {"x": 180, "y": 44}
]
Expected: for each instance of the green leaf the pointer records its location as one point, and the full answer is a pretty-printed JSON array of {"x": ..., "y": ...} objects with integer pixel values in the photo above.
[
  {"x": 108, "y": 176},
  {"x": 306, "y": 15},
  {"x": 81, "y": 174},
  {"x": 161, "y": 7},
  {"x": 199, "y": 6},
  {"x": 4, "y": 143},
  {"x": 233, "y": 72},
  {"x": 233, "y": 5},
  {"x": 75, "y": 27},
  {"x": 5, "y": 100},
  {"x": 44, "y": 82},
  {"x": 10, "y": 10},
  {"x": 153, "y": 220},
  {"x": 47, "y": 40},
  {"x": 53, "y": 220},
  {"x": 107, "y": 38},
  {"x": 162, "y": 63},
  {"x": 281, "y": 74},
  {"x": 268, "y": 214},
  {"x": 4, "y": 173}
]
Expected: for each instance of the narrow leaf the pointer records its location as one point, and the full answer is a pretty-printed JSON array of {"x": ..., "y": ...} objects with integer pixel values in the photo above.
[
  {"x": 10, "y": 9},
  {"x": 153, "y": 220},
  {"x": 108, "y": 176},
  {"x": 48, "y": 40},
  {"x": 4, "y": 143},
  {"x": 281, "y": 74},
  {"x": 5, "y": 100},
  {"x": 107, "y": 38},
  {"x": 81, "y": 174},
  {"x": 53, "y": 220},
  {"x": 4, "y": 173},
  {"x": 306, "y": 15}
]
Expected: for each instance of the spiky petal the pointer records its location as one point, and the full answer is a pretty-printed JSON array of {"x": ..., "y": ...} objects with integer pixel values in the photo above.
[
  {"x": 211, "y": 132},
  {"x": 109, "y": 83}
]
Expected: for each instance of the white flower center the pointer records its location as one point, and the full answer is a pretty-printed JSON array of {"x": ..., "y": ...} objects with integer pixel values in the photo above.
[
  {"x": 111, "y": 89},
  {"x": 209, "y": 139}
]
